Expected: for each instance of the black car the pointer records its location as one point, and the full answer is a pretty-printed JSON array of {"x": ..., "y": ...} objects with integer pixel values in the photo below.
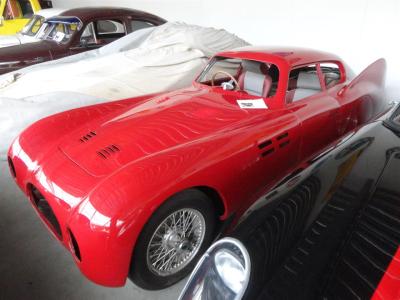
[{"x": 331, "y": 230}]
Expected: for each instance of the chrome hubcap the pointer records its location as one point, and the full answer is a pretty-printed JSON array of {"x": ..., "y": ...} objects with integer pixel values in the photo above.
[{"x": 176, "y": 242}]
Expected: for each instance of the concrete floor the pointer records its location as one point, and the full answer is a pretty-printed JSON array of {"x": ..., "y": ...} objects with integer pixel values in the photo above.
[{"x": 33, "y": 265}]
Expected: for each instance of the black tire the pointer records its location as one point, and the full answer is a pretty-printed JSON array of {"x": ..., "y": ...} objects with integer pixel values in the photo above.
[{"x": 140, "y": 273}]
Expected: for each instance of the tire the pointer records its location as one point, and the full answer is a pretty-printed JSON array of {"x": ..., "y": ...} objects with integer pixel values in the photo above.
[{"x": 187, "y": 204}]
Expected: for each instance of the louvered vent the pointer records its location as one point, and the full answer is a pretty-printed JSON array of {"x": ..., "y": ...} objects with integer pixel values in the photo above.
[
  {"x": 87, "y": 137},
  {"x": 283, "y": 139},
  {"x": 108, "y": 151},
  {"x": 267, "y": 147}
]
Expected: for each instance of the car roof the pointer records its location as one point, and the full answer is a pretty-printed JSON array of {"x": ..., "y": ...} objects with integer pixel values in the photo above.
[
  {"x": 289, "y": 55},
  {"x": 50, "y": 12},
  {"x": 89, "y": 13}
]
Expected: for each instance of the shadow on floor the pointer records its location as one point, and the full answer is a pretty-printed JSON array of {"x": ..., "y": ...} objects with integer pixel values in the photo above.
[{"x": 33, "y": 265}]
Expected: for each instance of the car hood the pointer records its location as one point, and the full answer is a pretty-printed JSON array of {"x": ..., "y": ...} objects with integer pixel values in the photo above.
[
  {"x": 160, "y": 124},
  {"x": 28, "y": 51}
]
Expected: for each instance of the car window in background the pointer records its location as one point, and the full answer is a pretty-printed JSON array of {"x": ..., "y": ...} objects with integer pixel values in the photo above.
[
  {"x": 88, "y": 35},
  {"x": 59, "y": 32},
  {"x": 33, "y": 26},
  {"x": 137, "y": 24},
  {"x": 109, "y": 29}
]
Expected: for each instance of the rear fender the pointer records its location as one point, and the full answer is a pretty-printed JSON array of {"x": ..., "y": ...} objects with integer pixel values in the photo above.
[{"x": 363, "y": 99}]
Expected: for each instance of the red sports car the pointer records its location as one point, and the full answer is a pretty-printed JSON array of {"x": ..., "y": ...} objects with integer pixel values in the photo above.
[{"x": 141, "y": 187}]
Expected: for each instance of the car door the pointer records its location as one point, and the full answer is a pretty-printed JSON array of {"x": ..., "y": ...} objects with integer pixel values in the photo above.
[{"x": 308, "y": 98}]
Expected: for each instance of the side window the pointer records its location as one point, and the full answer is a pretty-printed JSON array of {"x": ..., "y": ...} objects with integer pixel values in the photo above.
[
  {"x": 109, "y": 29},
  {"x": 303, "y": 82},
  {"x": 331, "y": 73},
  {"x": 88, "y": 35},
  {"x": 36, "y": 26},
  {"x": 137, "y": 24},
  {"x": 255, "y": 78},
  {"x": 102, "y": 31}
]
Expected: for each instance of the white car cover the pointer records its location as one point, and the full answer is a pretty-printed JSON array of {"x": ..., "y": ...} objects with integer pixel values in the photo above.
[{"x": 147, "y": 61}]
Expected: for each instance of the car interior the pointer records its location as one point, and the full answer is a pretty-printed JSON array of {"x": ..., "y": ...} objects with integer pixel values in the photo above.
[
  {"x": 261, "y": 79},
  {"x": 253, "y": 77},
  {"x": 304, "y": 82}
]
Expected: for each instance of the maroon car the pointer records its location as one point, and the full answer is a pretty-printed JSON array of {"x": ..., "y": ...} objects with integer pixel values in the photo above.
[{"x": 75, "y": 31}]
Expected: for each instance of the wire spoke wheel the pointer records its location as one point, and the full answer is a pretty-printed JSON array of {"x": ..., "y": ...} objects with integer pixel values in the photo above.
[{"x": 176, "y": 242}]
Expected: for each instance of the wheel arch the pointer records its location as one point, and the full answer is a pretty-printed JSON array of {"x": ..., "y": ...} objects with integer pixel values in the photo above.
[{"x": 215, "y": 197}]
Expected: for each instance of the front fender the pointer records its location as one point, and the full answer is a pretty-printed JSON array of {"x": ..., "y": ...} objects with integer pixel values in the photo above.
[{"x": 116, "y": 211}]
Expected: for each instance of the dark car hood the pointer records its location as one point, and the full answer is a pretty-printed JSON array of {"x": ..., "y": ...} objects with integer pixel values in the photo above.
[
  {"x": 157, "y": 125},
  {"x": 29, "y": 51}
]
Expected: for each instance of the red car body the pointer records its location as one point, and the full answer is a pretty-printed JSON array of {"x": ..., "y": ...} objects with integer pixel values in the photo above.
[{"x": 104, "y": 169}]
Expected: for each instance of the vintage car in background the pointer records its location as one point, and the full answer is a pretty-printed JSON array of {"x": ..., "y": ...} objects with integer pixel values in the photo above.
[
  {"x": 30, "y": 32},
  {"x": 15, "y": 14},
  {"x": 141, "y": 187},
  {"x": 75, "y": 31},
  {"x": 331, "y": 230},
  {"x": 147, "y": 61}
]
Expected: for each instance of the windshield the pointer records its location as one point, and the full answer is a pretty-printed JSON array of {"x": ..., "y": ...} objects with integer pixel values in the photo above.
[
  {"x": 33, "y": 26},
  {"x": 60, "y": 31},
  {"x": 250, "y": 76}
]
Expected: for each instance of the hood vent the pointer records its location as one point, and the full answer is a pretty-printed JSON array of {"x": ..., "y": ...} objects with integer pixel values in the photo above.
[
  {"x": 108, "y": 151},
  {"x": 87, "y": 137}
]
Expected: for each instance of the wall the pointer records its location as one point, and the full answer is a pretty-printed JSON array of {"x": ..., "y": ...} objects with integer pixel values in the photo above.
[{"x": 360, "y": 31}]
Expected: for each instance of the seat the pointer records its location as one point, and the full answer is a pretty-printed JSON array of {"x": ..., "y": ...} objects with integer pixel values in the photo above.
[
  {"x": 255, "y": 84},
  {"x": 307, "y": 85}
]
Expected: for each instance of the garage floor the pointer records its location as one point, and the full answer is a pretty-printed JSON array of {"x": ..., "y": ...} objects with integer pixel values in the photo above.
[{"x": 33, "y": 265}]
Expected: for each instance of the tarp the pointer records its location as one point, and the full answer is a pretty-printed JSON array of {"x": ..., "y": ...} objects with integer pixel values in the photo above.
[{"x": 147, "y": 61}]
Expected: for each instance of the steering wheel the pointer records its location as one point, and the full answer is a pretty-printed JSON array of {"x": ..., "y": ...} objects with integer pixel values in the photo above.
[{"x": 227, "y": 74}]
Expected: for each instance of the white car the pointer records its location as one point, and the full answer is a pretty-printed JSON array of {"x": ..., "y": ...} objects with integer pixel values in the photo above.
[
  {"x": 31, "y": 31},
  {"x": 147, "y": 61}
]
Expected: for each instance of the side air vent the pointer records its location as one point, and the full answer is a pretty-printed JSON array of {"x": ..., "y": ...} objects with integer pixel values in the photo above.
[
  {"x": 282, "y": 136},
  {"x": 106, "y": 152},
  {"x": 283, "y": 139},
  {"x": 87, "y": 137},
  {"x": 266, "y": 147}
]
